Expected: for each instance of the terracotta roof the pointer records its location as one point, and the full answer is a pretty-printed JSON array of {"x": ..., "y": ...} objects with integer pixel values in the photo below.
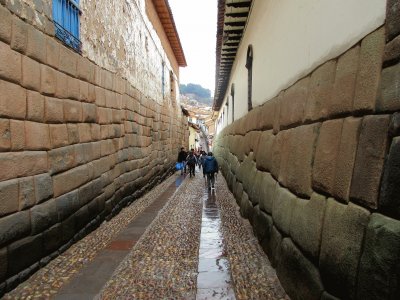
[
  {"x": 167, "y": 20},
  {"x": 232, "y": 19}
]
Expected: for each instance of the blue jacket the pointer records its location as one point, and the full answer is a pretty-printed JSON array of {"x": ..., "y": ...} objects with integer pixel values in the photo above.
[{"x": 210, "y": 165}]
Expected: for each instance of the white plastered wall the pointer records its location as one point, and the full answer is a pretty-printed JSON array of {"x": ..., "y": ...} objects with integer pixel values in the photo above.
[{"x": 290, "y": 38}]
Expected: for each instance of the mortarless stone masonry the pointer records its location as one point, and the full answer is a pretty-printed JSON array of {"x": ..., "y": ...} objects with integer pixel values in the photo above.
[
  {"x": 324, "y": 197},
  {"x": 77, "y": 141}
]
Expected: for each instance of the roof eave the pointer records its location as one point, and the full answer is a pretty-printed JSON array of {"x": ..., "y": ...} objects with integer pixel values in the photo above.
[{"x": 168, "y": 23}]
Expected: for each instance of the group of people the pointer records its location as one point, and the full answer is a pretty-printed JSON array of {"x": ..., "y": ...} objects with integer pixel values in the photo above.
[{"x": 205, "y": 161}]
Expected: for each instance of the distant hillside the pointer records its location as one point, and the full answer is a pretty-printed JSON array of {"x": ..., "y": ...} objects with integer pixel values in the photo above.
[{"x": 196, "y": 91}]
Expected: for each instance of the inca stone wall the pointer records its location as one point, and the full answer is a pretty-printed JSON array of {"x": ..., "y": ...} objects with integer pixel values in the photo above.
[
  {"x": 77, "y": 142},
  {"x": 316, "y": 171}
]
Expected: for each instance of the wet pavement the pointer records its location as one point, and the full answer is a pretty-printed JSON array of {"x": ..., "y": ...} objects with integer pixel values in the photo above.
[{"x": 180, "y": 241}]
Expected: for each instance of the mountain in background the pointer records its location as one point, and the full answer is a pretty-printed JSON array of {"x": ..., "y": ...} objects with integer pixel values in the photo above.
[{"x": 197, "y": 92}]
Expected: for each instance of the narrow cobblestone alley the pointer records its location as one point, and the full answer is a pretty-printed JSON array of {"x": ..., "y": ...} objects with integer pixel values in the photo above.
[{"x": 179, "y": 241}]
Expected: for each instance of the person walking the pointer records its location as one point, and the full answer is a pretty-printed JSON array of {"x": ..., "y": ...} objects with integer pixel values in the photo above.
[
  {"x": 202, "y": 160},
  {"x": 182, "y": 159},
  {"x": 210, "y": 167},
  {"x": 191, "y": 162}
]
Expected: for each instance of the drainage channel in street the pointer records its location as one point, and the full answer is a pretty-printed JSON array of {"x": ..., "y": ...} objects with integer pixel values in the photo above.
[{"x": 214, "y": 279}]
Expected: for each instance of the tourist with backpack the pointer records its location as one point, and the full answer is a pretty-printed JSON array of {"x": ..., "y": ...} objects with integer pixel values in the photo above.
[
  {"x": 210, "y": 167},
  {"x": 182, "y": 159},
  {"x": 191, "y": 162}
]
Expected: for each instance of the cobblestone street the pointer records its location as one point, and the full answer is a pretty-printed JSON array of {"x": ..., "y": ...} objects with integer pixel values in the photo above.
[{"x": 179, "y": 241}]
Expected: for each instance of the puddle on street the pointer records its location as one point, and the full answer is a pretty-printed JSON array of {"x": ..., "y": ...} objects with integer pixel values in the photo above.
[{"x": 214, "y": 279}]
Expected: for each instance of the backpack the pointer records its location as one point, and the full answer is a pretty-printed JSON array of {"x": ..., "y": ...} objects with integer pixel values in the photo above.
[{"x": 191, "y": 160}]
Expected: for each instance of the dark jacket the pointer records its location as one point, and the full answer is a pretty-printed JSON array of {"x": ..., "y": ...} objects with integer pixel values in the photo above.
[
  {"x": 191, "y": 159},
  {"x": 210, "y": 165},
  {"x": 181, "y": 156}
]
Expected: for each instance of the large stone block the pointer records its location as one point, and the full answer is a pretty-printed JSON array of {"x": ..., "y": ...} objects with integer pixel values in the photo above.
[
  {"x": 247, "y": 172},
  {"x": 389, "y": 200},
  {"x": 320, "y": 92},
  {"x": 282, "y": 209},
  {"x": 14, "y": 227},
  {"x": 342, "y": 237},
  {"x": 67, "y": 204},
  {"x": 19, "y": 37},
  {"x": 325, "y": 156},
  {"x": 276, "y": 103},
  {"x": 262, "y": 225},
  {"x": 389, "y": 92},
  {"x": 36, "y": 45},
  {"x": 5, "y": 135},
  {"x": 392, "y": 19},
  {"x": 89, "y": 112},
  {"x": 392, "y": 52},
  {"x": 44, "y": 216},
  {"x": 82, "y": 217},
  {"x": 83, "y": 91},
  {"x": 285, "y": 154},
  {"x": 68, "y": 229},
  {"x": 10, "y": 64},
  {"x": 255, "y": 187},
  {"x": 276, "y": 154},
  {"x": 73, "y": 88},
  {"x": 30, "y": 74},
  {"x": 251, "y": 141},
  {"x": 341, "y": 101},
  {"x": 37, "y": 136},
  {"x": 52, "y": 52},
  {"x": 26, "y": 195},
  {"x": 266, "y": 192},
  {"x": 8, "y": 197},
  {"x": 58, "y": 135},
  {"x": 43, "y": 187},
  {"x": 369, "y": 160},
  {"x": 48, "y": 80},
  {"x": 90, "y": 191},
  {"x": 5, "y": 25},
  {"x": 61, "y": 159},
  {"x": 300, "y": 160},
  {"x": 3, "y": 264},
  {"x": 345, "y": 158},
  {"x": 299, "y": 277},
  {"x": 380, "y": 262},
  {"x": 264, "y": 151},
  {"x": 293, "y": 104},
  {"x": 52, "y": 239},
  {"x": 73, "y": 133},
  {"x": 12, "y": 100},
  {"x": 84, "y": 132},
  {"x": 369, "y": 71},
  {"x": 62, "y": 86},
  {"x": 83, "y": 69},
  {"x": 246, "y": 207},
  {"x": 24, "y": 253},
  {"x": 17, "y": 135},
  {"x": 68, "y": 63},
  {"x": 72, "y": 111},
  {"x": 69, "y": 180},
  {"x": 272, "y": 247},
  {"x": 19, "y": 164},
  {"x": 54, "y": 111},
  {"x": 306, "y": 225}
]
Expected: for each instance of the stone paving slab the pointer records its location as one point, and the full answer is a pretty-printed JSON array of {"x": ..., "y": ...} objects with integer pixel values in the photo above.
[
  {"x": 163, "y": 264},
  {"x": 187, "y": 252},
  {"x": 48, "y": 281}
]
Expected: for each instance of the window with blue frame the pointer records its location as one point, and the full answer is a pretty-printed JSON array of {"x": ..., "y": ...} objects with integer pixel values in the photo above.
[{"x": 66, "y": 20}]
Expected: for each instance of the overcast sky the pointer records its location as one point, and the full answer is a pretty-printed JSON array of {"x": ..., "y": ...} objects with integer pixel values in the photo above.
[{"x": 196, "y": 22}]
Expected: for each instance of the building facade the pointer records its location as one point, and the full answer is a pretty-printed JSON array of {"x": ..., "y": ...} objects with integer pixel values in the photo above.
[
  {"x": 89, "y": 119},
  {"x": 307, "y": 100}
]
